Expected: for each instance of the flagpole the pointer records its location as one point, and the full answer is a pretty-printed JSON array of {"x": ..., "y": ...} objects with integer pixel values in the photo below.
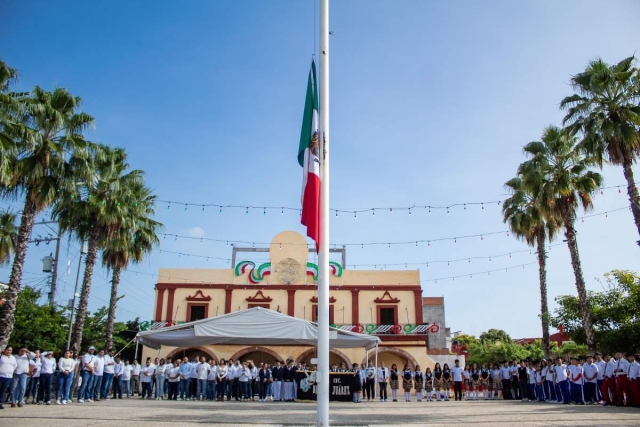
[{"x": 323, "y": 255}]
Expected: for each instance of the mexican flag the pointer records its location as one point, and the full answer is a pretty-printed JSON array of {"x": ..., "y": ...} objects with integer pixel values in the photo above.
[{"x": 308, "y": 159}]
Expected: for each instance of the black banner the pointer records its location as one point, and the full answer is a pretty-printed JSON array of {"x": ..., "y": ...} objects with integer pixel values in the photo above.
[{"x": 339, "y": 390}]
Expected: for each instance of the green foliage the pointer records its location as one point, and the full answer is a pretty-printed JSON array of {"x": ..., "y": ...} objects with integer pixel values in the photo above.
[
  {"x": 38, "y": 326},
  {"x": 615, "y": 313},
  {"x": 495, "y": 335},
  {"x": 465, "y": 339},
  {"x": 8, "y": 236}
]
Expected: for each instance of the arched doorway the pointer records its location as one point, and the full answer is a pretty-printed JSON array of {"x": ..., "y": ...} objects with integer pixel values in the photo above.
[
  {"x": 335, "y": 356},
  {"x": 391, "y": 355},
  {"x": 191, "y": 353},
  {"x": 258, "y": 355}
]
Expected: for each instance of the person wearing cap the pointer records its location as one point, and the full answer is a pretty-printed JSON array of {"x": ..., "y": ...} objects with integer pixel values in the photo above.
[
  {"x": 19, "y": 382},
  {"x": 87, "y": 364},
  {"x": 109, "y": 371}
]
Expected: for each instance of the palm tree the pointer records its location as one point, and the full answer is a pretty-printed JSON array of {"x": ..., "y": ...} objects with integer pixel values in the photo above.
[
  {"x": 8, "y": 236},
  {"x": 94, "y": 210},
  {"x": 136, "y": 238},
  {"x": 10, "y": 107},
  {"x": 528, "y": 223},
  {"x": 51, "y": 128},
  {"x": 605, "y": 110},
  {"x": 558, "y": 176}
]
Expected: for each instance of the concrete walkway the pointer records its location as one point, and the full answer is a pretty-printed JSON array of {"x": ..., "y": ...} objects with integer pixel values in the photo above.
[{"x": 138, "y": 413}]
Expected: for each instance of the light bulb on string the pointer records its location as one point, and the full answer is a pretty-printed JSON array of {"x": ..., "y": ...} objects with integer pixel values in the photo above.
[
  {"x": 455, "y": 240},
  {"x": 355, "y": 214},
  {"x": 390, "y": 209},
  {"x": 373, "y": 212},
  {"x": 185, "y": 207},
  {"x": 481, "y": 237},
  {"x": 203, "y": 208},
  {"x": 447, "y": 209},
  {"x": 264, "y": 211},
  {"x": 416, "y": 244},
  {"x": 169, "y": 205},
  {"x": 428, "y": 242},
  {"x": 246, "y": 212},
  {"x": 389, "y": 245},
  {"x": 220, "y": 211},
  {"x": 227, "y": 243},
  {"x": 362, "y": 246},
  {"x": 482, "y": 205},
  {"x": 619, "y": 191},
  {"x": 429, "y": 209},
  {"x": 280, "y": 245},
  {"x": 336, "y": 212},
  {"x": 409, "y": 211},
  {"x": 176, "y": 239}
]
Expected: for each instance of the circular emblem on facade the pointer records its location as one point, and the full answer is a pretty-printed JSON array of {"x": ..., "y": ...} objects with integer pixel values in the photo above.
[{"x": 288, "y": 270}]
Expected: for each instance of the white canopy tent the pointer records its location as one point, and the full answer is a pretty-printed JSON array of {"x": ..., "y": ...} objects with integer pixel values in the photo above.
[{"x": 255, "y": 326}]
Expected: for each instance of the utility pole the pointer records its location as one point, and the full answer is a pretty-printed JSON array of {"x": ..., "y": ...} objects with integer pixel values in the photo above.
[
  {"x": 54, "y": 276},
  {"x": 50, "y": 264}
]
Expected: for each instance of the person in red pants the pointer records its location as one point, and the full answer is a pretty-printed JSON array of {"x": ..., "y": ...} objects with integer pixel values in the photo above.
[
  {"x": 609, "y": 381},
  {"x": 632, "y": 378},
  {"x": 622, "y": 385}
]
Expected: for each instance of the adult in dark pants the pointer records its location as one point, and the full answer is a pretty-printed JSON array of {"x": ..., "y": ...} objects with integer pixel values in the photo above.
[
  {"x": 506, "y": 380},
  {"x": 264, "y": 379},
  {"x": 370, "y": 382},
  {"x": 456, "y": 371},
  {"x": 523, "y": 380},
  {"x": 515, "y": 383}
]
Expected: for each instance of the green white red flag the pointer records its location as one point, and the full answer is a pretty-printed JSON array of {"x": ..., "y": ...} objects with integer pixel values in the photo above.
[{"x": 308, "y": 159}]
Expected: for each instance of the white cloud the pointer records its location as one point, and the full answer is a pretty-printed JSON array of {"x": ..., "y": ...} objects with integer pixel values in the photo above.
[{"x": 196, "y": 232}]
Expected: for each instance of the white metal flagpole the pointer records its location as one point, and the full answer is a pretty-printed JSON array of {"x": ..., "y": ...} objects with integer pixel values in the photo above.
[{"x": 323, "y": 255}]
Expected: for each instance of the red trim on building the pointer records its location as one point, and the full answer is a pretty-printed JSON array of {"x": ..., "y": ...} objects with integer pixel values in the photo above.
[
  {"x": 159, "y": 305},
  {"x": 291, "y": 302},
  {"x": 169, "y": 316},
  {"x": 418, "y": 300},
  {"x": 314, "y": 313},
  {"x": 195, "y": 297},
  {"x": 227, "y": 300},
  {"x": 355, "y": 306},
  {"x": 315, "y": 299},
  {"x": 389, "y": 299},
  {"x": 260, "y": 298},
  {"x": 284, "y": 287},
  {"x": 395, "y": 313}
]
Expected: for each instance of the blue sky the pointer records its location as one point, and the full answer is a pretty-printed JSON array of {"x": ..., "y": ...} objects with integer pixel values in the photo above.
[{"x": 431, "y": 103}]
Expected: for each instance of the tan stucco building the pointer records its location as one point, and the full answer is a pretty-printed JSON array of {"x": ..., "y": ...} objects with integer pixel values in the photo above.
[{"x": 386, "y": 303}]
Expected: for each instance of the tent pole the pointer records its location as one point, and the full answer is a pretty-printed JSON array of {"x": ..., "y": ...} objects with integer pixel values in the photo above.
[
  {"x": 374, "y": 386},
  {"x": 323, "y": 255}
]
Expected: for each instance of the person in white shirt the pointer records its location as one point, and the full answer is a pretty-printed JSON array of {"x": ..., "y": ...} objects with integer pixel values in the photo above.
[
  {"x": 34, "y": 372},
  {"x": 222, "y": 372},
  {"x": 633, "y": 377},
  {"x": 550, "y": 389},
  {"x": 383, "y": 381},
  {"x": 19, "y": 382},
  {"x": 370, "y": 381},
  {"x": 243, "y": 381},
  {"x": 135, "y": 377},
  {"x": 88, "y": 364},
  {"x": 576, "y": 378},
  {"x": 600, "y": 380},
  {"x": 66, "y": 368},
  {"x": 496, "y": 384},
  {"x": 562, "y": 381},
  {"x": 253, "y": 384},
  {"x": 609, "y": 381},
  {"x": 125, "y": 378},
  {"x": 202, "y": 372},
  {"x": 173, "y": 377},
  {"x": 590, "y": 373},
  {"x": 118, "y": 368},
  {"x": 622, "y": 385},
  {"x": 8, "y": 365},
  {"x": 161, "y": 376},
  {"x": 456, "y": 372},
  {"x": 107, "y": 378},
  {"x": 212, "y": 380},
  {"x": 98, "y": 375},
  {"x": 505, "y": 373},
  {"x": 46, "y": 376},
  {"x": 193, "y": 379},
  {"x": 185, "y": 375},
  {"x": 146, "y": 373}
]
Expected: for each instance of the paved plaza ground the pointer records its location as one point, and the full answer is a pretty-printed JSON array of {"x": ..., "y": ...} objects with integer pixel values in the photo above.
[{"x": 138, "y": 413}]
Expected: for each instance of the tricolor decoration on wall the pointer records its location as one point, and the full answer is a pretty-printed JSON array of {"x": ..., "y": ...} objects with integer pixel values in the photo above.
[{"x": 255, "y": 275}]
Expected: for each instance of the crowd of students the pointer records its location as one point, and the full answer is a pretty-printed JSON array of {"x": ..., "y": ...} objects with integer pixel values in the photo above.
[
  {"x": 586, "y": 380},
  {"x": 28, "y": 377}
]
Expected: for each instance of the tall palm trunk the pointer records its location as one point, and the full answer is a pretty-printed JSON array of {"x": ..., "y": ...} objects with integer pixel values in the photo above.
[
  {"x": 8, "y": 317},
  {"x": 568, "y": 217},
  {"x": 632, "y": 191},
  {"x": 115, "y": 281},
  {"x": 86, "y": 287},
  {"x": 544, "y": 304}
]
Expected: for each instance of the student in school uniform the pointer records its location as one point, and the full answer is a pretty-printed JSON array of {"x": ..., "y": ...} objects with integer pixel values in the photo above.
[
  {"x": 457, "y": 373},
  {"x": 550, "y": 389},
  {"x": 609, "y": 381},
  {"x": 446, "y": 381},
  {"x": 466, "y": 386},
  {"x": 418, "y": 380},
  {"x": 370, "y": 381},
  {"x": 600, "y": 363},
  {"x": 576, "y": 377},
  {"x": 622, "y": 385},
  {"x": 394, "y": 382},
  {"x": 515, "y": 380},
  {"x": 264, "y": 379},
  {"x": 428, "y": 384},
  {"x": 562, "y": 381},
  {"x": 632, "y": 377},
  {"x": 496, "y": 382},
  {"x": 475, "y": 381},
  {"x": 437, "y": 380},
  {"x": 531, "y": 370},
  {"x": 356, "y": 383},
  {"x": 523, "y": 380},
  {"x": 590, "y": 373},
  {"x": 485, "y": 380},
  {"x": 505, "y": 372},
  {"x": 407, "y": 382},
  {"x": 277, "y": 373},
  {"x": 383, "y": 381},
  {"x": 537, "y": 373}
]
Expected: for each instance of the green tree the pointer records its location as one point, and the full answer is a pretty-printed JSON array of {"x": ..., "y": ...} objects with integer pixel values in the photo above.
[
  {"x": 135, "y": 238},
  {"x": 615, "y": 313},
  {"x": 558, "y": 175},
  {"x": 605, "y": 110},
  {"x": 495, "y": 335},
  {"x": 8, "y": 236},
  {"x": 38, "y": 326},
  {"x": 51, "y": 127},
  {"x": 94, "y": 210},
  {"x": 527, "y": 222}
]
